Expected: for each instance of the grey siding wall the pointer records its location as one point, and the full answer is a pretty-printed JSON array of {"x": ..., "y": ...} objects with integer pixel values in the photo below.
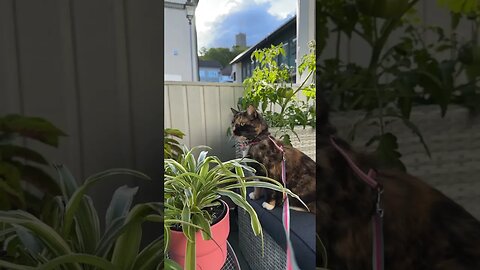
[{"x": 94, "y": 68}]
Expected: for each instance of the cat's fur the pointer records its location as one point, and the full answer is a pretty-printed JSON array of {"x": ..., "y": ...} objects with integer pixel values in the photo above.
[
  {"x": 250, "y": 129},
  {"x": 423, "y": 229}
]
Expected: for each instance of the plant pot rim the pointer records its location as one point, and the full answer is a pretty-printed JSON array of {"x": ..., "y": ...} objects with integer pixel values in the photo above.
[{"x": 215, "y": 221}]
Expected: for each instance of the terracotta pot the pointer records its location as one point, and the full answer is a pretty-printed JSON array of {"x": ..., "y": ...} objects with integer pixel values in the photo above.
[{"x": 210, "y": 255}]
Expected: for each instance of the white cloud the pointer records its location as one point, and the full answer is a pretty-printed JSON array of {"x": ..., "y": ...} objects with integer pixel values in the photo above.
[
  {"x": 210, "y": 12},
  {"x": 280, "y": 8},
  {"x": 207, "y": 13}
]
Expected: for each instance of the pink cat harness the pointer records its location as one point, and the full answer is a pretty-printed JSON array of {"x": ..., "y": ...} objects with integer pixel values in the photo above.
[
  {"x": 291, "y": 262},
  {"x": 377, "y": 218}
]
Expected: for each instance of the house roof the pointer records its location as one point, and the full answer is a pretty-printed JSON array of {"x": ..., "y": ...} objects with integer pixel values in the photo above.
[
  {"x": 209, "y": 64},
  {"x": 265, "y": 40}
]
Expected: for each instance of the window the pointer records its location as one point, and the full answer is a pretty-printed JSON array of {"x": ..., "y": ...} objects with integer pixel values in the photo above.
[
  {"x": 292, "y": 52},
  {"x": 212, "y": 73}
]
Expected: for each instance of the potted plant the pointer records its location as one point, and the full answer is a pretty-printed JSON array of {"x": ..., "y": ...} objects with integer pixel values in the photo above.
[
  {"x": 196, "y": 219},
  {"x": 71, "y": 236}
]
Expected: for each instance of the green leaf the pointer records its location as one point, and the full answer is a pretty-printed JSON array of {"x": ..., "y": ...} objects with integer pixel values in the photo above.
[
  {"x": 31, "y": 127},
  {"x": 10, "y": 177},
  {"x": 387, "y": 152},
  {"x": 29, "y": 241},
  {"x": 150, "y": 256},
  {"x": 204, "y": 223},
  {"x": 74, "y": 202},
  {"x": 238, "y": 200},
  {"x": 432, "y": 84},
  {"x": 414, "y": 129},
  {"x": 120, "y": 204},
  {"x": 13, "y": 266},
  {"x": 67, "y": 182},
  {"x": 116, "y": 228},
  {"x": 128, "y": 244},
  {"x": 87, "y": 226},
  {"x": 174, "y": 132},
  {"x": 190, "y": 256},
  {"x": 78, "y": 258},
  {"x": 55, "y": 243},
  {"x": 186, "y": 217},
  {"x": 39, "y": 178},
  {"x": 10, "y": 151},
  {"x": 171, "y": 265}
]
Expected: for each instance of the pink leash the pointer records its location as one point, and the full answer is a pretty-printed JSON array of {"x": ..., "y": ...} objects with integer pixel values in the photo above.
[
  {"x": 377, "y": 218},
  {"x": 291, "y": 262}
]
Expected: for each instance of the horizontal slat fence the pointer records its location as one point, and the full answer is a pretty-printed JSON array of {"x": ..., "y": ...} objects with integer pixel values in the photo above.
[{"x": 202, "y": 111}]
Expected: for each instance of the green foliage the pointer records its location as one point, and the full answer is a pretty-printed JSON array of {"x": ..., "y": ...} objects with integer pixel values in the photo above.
[
  {"x": 461, "y": 6},
  {"x": 21, "y": 166},
  {"x": 223, "y": 55},
  {"x": 171, "y": 146},
  {"x": 401, "y": 72},
  {"x": 72, "y": 239},
  {"x": 271, "y": 89},
  {"x": 194, "y": 183},
  {"x": 382, "y": 8}
]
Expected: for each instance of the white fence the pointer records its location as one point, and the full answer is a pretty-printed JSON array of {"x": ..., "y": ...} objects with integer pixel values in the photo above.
[{"x": 202, "y": 111}]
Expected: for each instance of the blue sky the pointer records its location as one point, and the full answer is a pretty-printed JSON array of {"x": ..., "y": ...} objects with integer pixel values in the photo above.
[{"x": 218, "y": 21}]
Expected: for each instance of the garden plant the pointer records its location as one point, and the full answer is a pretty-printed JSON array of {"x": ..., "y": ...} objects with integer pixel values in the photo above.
[
  {"x": 195, "y": 184},
  {"x": 271, "y": 88},
  {"x": 403, "y": 69}
]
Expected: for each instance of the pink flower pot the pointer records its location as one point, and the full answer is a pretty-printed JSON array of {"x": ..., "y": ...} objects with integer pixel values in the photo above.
[{"x": 210, "y": 255}]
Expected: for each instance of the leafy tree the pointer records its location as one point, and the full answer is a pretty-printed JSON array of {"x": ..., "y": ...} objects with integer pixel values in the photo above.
[{"x": 222, "y": 55}]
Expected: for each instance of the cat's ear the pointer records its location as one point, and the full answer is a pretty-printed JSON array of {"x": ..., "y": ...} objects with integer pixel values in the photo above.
[
  {"x": 234, "y": 111},
  {"x": 251, "y": 111}
]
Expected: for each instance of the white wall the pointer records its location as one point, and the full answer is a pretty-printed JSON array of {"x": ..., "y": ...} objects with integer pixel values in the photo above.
[
  {"x": 237, "y": 69},
  {"x": 179, "y": 54},
  {"x": 305, "y": 30}
]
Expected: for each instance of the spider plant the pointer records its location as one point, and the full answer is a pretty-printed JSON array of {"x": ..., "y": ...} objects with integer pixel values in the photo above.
[
  {"x": 73, "y": 239},
  {"x": 194, "y": 183}
]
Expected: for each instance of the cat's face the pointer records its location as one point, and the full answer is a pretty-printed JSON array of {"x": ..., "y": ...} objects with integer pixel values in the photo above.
[{"x": 248, "y": 124}]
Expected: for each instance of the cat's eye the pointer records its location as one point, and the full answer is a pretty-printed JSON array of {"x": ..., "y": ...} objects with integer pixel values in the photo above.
[{"x": 242, "y": 124}]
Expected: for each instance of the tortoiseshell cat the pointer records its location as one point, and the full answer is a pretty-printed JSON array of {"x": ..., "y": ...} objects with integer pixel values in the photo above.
[
  {"x": 251, "y": 130},
  {"x": 423, "y": 229}
]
